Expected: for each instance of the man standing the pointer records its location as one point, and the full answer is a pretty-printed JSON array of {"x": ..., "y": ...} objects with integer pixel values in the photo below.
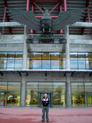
[{"x": 45, "y": 102}]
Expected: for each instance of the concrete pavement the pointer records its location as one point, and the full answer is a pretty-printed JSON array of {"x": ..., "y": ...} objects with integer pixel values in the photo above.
[{"x": 33, "y": 115}]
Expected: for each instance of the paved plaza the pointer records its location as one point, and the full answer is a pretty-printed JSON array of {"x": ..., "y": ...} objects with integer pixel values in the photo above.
[{"x": 34, "y": 115}]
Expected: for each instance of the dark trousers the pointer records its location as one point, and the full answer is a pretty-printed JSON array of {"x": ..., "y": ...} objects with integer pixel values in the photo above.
[{"x": 45, "y": 109}]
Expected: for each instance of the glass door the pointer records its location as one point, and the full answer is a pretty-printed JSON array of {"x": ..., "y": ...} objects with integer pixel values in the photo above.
[
  {"x": 41, "y": 95},
  {"x": 1, "y": 98},
  {"x": 89, "y": 98}
]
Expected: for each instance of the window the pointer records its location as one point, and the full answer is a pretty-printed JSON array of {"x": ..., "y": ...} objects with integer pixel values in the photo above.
[
  {"x": 11, "y": 60},
  {"x": 44, "y": 60}
]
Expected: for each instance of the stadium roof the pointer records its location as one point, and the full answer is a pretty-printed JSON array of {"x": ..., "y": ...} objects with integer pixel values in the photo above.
[{"x": 54, "y": 6}]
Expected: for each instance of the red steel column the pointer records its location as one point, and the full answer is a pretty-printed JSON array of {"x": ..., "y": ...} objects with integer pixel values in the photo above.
[
  {"x": 54, "y": 8},
  {"x": 65, "y": 5},
  {"x": 89, "y": 20},
  {"x": 61, "y": 31},
  {"x": 27, "y": 5},
  {"x": 31, "y": 31},
  {"x": 38, "y": 7},
  {"x": 4, "y": 19}
]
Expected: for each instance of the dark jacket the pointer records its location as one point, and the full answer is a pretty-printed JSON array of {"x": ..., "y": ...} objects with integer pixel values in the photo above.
[{"x": 45, "y": 101}]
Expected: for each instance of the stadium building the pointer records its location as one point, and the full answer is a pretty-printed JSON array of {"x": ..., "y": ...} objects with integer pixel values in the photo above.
[{"x": 62, "y": 69}]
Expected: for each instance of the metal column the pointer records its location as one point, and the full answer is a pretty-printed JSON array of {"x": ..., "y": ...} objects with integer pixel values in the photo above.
[
  {"x": 67, "y": 48},
  {"x": 25, "y": 49},
  {"x": 68, "y": 90},
  {"x": 23, "y": 90}
]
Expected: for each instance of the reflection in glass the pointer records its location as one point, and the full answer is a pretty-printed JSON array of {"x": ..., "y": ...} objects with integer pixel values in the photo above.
[
  {"x": 3, "y": 63},
  {"x": 13, "y": 96},
  {"x": 55, "y": 64},
  {"x": 56, "y": 89},
  {"x": 32, "y": 94},
  {"x": 36, "y": 64},
  {"x": 11, "y": 60},
  {"x": 3, "y": 55},
  {"x": 45, "y": 64},
  {"x": 78, "y": 95},
  {"x": 73, "y": 56},
  {"x": 46, "y": 60},
  {"x": 10, "y": 63},
  {"x": 18, "y": 63},
  {"x": 81, "y": 64},
  {"x": 73, "y": 64},
  {"x": 59, "y": 94}
]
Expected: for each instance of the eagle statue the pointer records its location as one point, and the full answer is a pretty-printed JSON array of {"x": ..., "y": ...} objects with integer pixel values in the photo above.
[{"x": 46, "y": 24}]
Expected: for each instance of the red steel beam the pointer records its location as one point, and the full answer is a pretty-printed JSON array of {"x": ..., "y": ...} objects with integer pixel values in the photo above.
[
  {"x": 87, "y": 4},
  {"x": 54, "y": 8},
  {"x": 89, "y": 20},
  {"x": 4, "y": 19},
  {"x": 8, "y": 19},
  {"x": 31, "y": 31},
  {"x": 61, "y": 31},
  {"x": 38, "y": 7},
  {"x": 46, "y": 1}
]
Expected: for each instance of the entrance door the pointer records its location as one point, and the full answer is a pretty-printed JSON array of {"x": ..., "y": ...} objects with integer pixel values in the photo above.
[
  {"x": 89, "y": 98},
  {"x": 41, "y": 95}
]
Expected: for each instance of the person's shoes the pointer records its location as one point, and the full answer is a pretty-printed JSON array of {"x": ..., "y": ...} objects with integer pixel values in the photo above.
[
  {"x": 47, "y": 121},
  {"x": 42, "y": 120}
]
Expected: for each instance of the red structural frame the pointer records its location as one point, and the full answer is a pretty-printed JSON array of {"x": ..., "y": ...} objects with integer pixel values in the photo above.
[{"x": 33, "y": 3}]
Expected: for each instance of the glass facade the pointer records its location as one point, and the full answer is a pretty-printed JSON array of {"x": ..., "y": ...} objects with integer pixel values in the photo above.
[
  {"x": 11, "y": 92},
  {"x": 81, "y": 94},
  {"x": 55, "y": 91},
  {"x": 11, "y": 60},
  {"x": 81, "y": 61},
  {"x": 46, "y": 60}
]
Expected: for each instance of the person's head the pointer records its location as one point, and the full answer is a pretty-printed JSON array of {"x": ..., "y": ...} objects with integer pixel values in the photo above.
[{"x": 45, "y": 95}]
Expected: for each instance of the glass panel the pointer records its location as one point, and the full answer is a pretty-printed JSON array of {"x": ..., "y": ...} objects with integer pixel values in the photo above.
[
  {"x": 10, "y": 64},
  {"x": 73, "y": 64},
  {"x": 78, "y": 94},
  {"x": 13, "y": 96},
  {"x": 3, "y": 90},
  {"x": 73, "y": 56},
  {"x": 55, "y": 64},
  {"x": 3, "y": 63},
  {"x": 3, "y": 86},
  {"x": 30, "y": 56},
  {"x": 89, "y": 65},
  {"x": 81, "y": 56},
  {"x": 45, "y": 86},
  {"x": 37, "y": 56},
  {"x": 36, "y": 64},
  {"x": 11, "y": 55},
  {"x": 88, "y": 87},
  {"x": 55, "y": 56},
  {"x": 45, "y": 64},
  {"x": 81, "y": 64},
  {"x": 59, "y": 94},
  {"x": 32, "y": 94},
  {"x": 89, "y": 56},
  {"x": 3, "y": 55},
  {"x": 19, "y": 55},
  {"x": 18, "y": 64},
  {"x": 89, "y": 98},
  {"x": 45, "y": 56},
  {"x": 62, "y": 64},
  {"x": 62, "y": 56},
  {"x": 29, "y": 64}
]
